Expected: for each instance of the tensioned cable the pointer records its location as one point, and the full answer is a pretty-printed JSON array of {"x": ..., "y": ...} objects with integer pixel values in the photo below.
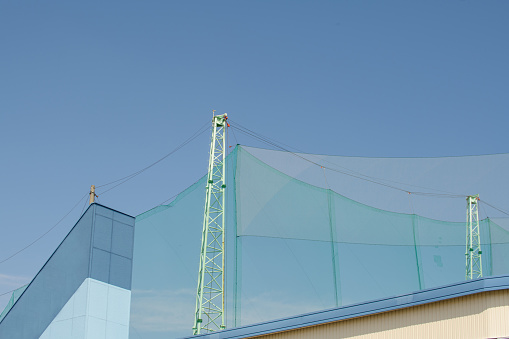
[
  {"x": 179, "y": 193},
  {"x": 310, "y": 161},
  {"x": 84, "y": 206},
  {"x": 264, "y": 139},
  {"x": 357, "y": 243},
  {"x": 358, "y": 176},
  {"x": 170, "y": 198},
  {"x": 498, "y": 209},
  {"x": 236, "y": 141},
  {"x": 173, "y": 196},
  {"x": 332, "y": 169},
  {"x": 484, "y": 210},
  {"x": 276, "y": 144},
  {"x": 154, "y": 163},
  {"x": 121, "y": 181},
  {"x": 1, "y": 295},
  {"x": 45, "y": 233},
  {"x": 200, "y": 131},
  {"x": 350, "y": 170}
]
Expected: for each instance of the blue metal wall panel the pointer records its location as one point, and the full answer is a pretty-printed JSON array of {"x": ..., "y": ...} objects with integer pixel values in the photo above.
[
  {"x": 102, "y": 232},
  {"x": 100, "y": 266},
  {"x": 52, "y": 287},
  {"x": 122, "y": 240},
  {"x": 120, "y": 271},
  {"x": 112, "y": 247},
  {"x": 99, "y": 246}
]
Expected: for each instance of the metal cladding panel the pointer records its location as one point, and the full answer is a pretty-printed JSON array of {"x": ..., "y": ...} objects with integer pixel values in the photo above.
[
  {"x": 96, "y": 311},
  {"x": 112, "y": 247},
  {"x": 497, "y": 314},
  {"x": 470, "y": 309},
  {"x": 99, "y": 246},
  {"x": 52, "y": 287},
  {"x": 482, "y": 315}
]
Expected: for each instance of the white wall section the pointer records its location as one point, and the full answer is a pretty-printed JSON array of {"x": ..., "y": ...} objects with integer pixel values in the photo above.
[{"x": 96, "y": 311}]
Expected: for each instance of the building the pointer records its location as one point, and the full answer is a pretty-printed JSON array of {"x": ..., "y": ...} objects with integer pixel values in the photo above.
[
  {"x": 472, "y": 309},
  {"x": 322, "y": 263},
  {"x": 84, "y": 289}
]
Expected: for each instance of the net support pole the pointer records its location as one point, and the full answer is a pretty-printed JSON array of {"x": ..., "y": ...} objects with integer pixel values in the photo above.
[
  {"x": 473, "y": 251},
  {"x": 333, "y": 246},
  {"x": 210, "y": 297},
  {"x": 92, "y": 194}
]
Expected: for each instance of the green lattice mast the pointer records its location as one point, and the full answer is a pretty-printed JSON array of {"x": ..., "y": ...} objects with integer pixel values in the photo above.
[
  {"x": 473, "y": 248},
  {"x": 210, "y": 312}
]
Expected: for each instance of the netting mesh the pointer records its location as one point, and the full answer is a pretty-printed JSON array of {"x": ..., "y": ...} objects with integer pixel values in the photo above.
[
  {"x": 14, "y": 297},
  {"x": 292, "y": 247}
]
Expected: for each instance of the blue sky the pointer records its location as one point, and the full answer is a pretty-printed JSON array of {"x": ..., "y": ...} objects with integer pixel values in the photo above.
[{"x": 92, "y": 92}]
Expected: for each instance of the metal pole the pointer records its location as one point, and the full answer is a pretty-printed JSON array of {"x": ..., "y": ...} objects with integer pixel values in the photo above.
[
  {"x": 473, "y": 241},
  {"x": 223, "y": 188},
  {"x": 210, "y": 302},
  {"x": 92, "y": 194}
]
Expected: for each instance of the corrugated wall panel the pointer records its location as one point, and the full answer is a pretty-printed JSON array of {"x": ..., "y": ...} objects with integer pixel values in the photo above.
[
  {"x": 483, "y": 315},
  {"x": 497, "y": 314}
]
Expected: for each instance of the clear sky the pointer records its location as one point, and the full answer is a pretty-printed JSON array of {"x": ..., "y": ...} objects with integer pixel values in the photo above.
[{"x": 91, "y": 92}]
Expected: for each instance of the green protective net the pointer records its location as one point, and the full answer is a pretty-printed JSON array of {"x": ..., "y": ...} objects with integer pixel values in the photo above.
[
  {"x": 292, "y": 248},
  {"x": 14, "y": 297}
]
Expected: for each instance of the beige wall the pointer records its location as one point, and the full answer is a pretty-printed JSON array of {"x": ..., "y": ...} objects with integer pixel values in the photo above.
[{"x": 483, "y": 315}]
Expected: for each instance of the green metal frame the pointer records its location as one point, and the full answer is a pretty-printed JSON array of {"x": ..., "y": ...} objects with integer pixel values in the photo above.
[
  {"x": 210, "y": 297},
  {"x": 473, "y": 246}
]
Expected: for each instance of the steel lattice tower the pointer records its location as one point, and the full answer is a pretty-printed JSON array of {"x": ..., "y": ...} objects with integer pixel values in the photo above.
[
  {"x": 210, "y": 302},
  {"x": 473, "y": 246}
]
